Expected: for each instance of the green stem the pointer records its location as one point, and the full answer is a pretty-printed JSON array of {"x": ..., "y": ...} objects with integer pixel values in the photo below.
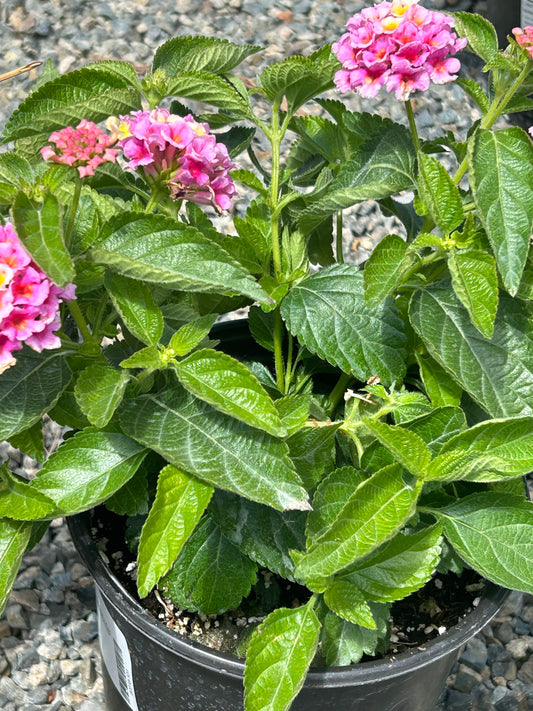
[
  {"x": 278, "y": 351},
  {"x": 289, "y": 367},
  {"x": 338, "y": 237},
  {"x": 80, "y": 321},
  {"x": 412, "y": 124},
  {"x": 338, "y": 391},
  {"x": 73, "y": 209},
  {"x": 152, "y": 202},
  {"x": 274, "y": 190}
]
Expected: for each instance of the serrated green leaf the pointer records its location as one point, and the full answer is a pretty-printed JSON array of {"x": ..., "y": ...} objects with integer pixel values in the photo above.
[
  {"x": 384, "y": 268},
  {"x": 40, "y": 231},
  {"x": 19, "y": 500},
  {"x": 293, "y": 411},
  {"x": 14, "y": 538},
  {"x": 438, "y": 426},
  {"x": 328, "y": 314},
  {"x": 191, "y": 334},
  {"x": 160, "y": 250},
  {"x": 439, "y": 193},
  {"x": 329, "y": 499},
  {"x": 408, "y": 448},
  {"x": 30, "y": 441},
  {"x": 344, "y": 643},
  {"x": 475, "y": 281},
  {"x": 149, "y": 357},
  {"x": 501, "y": 177},
  {"x": 480, "y": 33},
  {"x": 216, "y": 448},
  {"x": 494, "y": 534},
  {"x": 279, "y": 655},
  {"x": 211, "y": 89},
  {"x": 227, "y": 385},
  {"x": 15, "y": 173},
  {"x": 399, "y": 567},
  {"x": 179, "y": 503},
  {"x": 489, "y": 451},
  {"x": 30, "y": 388},
  {"x": 136, "y": 306},
  {"x": 99, "y": 390},
  {"x": 440, "y": 387},
  {"x": 497, "y": 373},
  {"x": 312, "y": 451},
  {"x": 347, "y": 602},
  {"x": 87, "y": 469},
  {"x": 200, "y": 52},
  {"x": 237, "y": 139},
  {"x": 262, "y": 533},
  {"x": 132, "y": 497},
  {"x": 210, "y": 575},
  {"x": 475, "y": 91},
  {"x": 378, "y": 509},
  {"x": 251, "y": 180}
]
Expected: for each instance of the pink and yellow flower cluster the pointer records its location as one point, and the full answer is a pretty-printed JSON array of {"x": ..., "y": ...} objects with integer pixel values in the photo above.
[
  {"x": 84, "y": 147},
  {"x": 399, "y": 45},
  {"x": 524, "y": 37},
  {"x": 29, "y": 301},
  {"x": 181, "y": 150}
]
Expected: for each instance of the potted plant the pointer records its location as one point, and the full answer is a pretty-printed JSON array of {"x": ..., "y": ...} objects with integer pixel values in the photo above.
[{"x": 376, "y": 425}]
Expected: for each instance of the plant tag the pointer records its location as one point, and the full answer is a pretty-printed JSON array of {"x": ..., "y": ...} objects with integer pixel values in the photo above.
[
  {"x": 115, "y": 653},
  {"x": 526, "y": 13}
]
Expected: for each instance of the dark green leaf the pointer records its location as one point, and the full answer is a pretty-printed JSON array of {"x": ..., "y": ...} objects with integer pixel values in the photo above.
[
  {"x": 439, "y": 193},
  {"x": 211, "y": 89},
  {"x": 438, "y": 426},
  {"x": 312, "y": 451},
  {"x": 30, "y": 441},
  {"x": 475, "y": 281},
  {"x": 480, "y": 33},
  {"x": 99, "y": 390},
  {"x": 440, "y": 387},
  {"x": 14, "y": 538},
  {"x": 385, "y": 268},
  {"x": 199, "y": 52},
  {"x": 408, "y": 448},
  {"x": 344, "y": 643},
  {"x": 136, "y": 306}
]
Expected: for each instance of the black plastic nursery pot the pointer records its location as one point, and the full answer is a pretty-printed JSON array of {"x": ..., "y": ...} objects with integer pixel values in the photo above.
[{"x": 148, "y": 667}]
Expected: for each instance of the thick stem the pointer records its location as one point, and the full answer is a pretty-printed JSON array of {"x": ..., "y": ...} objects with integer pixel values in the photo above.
[
  {"x": 412, "y": 124},
  {"x": 80, "y": 321},
  {"x": 338, "y": 391},
  {"x": 278, "y": 351},
  {"x": 274, "y": 190},
  {"x": 73, "y": 210},
  {"x": 338, "y": 238}
]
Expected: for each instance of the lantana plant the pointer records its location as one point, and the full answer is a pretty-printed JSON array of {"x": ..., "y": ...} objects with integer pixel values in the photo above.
[{"x": 378, "y": 424}]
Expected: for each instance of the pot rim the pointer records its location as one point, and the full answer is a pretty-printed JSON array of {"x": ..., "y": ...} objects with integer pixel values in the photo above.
[{"x": 356, "y": 674}]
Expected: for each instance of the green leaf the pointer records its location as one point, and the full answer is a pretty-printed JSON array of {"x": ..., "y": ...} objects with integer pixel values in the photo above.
[
  {"x": 480, "y": 33},
  {"x": 149, "y": 357},
  {"x": 132, "y": 497},
  {"x": 475, "y": 91},
  {"x": 344, "y": 643},
  {"x": 262, "y": 533},
  {"x": 30, "y": 388},
  {"x": 439, "y": 193},
  {"x": 440, "y": 387},
  {"x": 30, "y": 441},
  {"x": 87, "y": 469},
  {"x": 397, "y": 568},
  {"x": 475, "y": 281},
  {"x": 93, "y": 93},
  {"x": 40, "y": 231},
  {"x": 312, "y": 451},
  {"x": 216, "y": 448},
  {"x": 191, "y": 334},
  {"x": 160, "y": 250},
  {"x": 383, "y": 165},
  {"x": 210, "y": 89},
  {"x": 19, "y": 499},
  {"x": 384, "y": 268},
  {"x": 408, "y": 448},
  {"x": 347, "y": 602},
  {"x": 328, "y": 314},
  {"x": 210, "y": 575},
  {"x": 489, "y": 451},
  {"x": 179, "y": 504},
  {"x": 438, "y": 426},
  {"x": 15, "y": 173},
  {"x": 293, "y": 411},
  {"x": 99, "y": 390},
  {"x": 376, "y": 511},
  {"x": 494, "y": 534},
  {"x": 501, "y": 177},
  {"x": 329, "y": 499},
  {"x": 199, "y": 52},
  {"x": 227, "y": 385},
  {"x": 136, "y": 306},
  {"x": 14, "y": 538},
  {"x": 280, "y": 653},
  {"x": 497, "y": 373}
]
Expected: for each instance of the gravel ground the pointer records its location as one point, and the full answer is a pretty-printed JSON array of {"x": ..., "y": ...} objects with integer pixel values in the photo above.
[{"x": 49, "y": 656}]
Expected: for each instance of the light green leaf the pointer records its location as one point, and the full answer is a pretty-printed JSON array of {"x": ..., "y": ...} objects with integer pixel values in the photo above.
[
  {"x": 475, "y": 281},
  {"x": 347, "y": 602},
  {"x": 489, "y": 451},
  {"x": 377, "y": 510},
  {"x": 328, "y": 314},
  {"x": 385, "y": 268},
  {"x": 136, "y": 306},
  {"x": 15, "y": 173},
  {"x": 408, "y": 448},
  {"x": 210, "y": 89},
  {"x": 200, "y": 52},
  {"x": 440, "y": 387},
  {"x": 191, "y": 334},
  {"x": 210, "y": 575},
  {"x": 262, "y": 533},
  {"x": 161, "y": 250},
  {"x": 216, "y": 448},
  {"x": 501, "y": 177},
  {"x": 87, "y": 469},
  {"x": 99, "y": 390},
  {"x": 344, "y": 643},
  {"x": 480, "y": 33},
  {"x": 30, "y": 388},
  {"x": 497, "y": 373},
  {"x": 179, "y": 503},
  {"x": 494, "y": 534},
  {"x": 438, "y": 426},
  {"x": 149, "y": 357},
  {"x": 40, "y": 231},
  {"x": 19, "y": 499},
  {"x": 14, "y": 537},
  {"x": 227, "y": 385},
  {"x": 293, "y": 411},
  {"x": 397, "y": 568},
  {"x": 439, "y": 193},
  {"x": 279, "y": 655}
]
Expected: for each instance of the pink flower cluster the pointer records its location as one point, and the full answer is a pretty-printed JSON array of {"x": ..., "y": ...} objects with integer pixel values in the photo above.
[
  {"x": 84, "y": 147},
  {"x": 524, "y": 37},
  {"x": 29, "y": 301},
  {"x": 181, "y": 151},
  {"x": 399, "y": 45}
]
